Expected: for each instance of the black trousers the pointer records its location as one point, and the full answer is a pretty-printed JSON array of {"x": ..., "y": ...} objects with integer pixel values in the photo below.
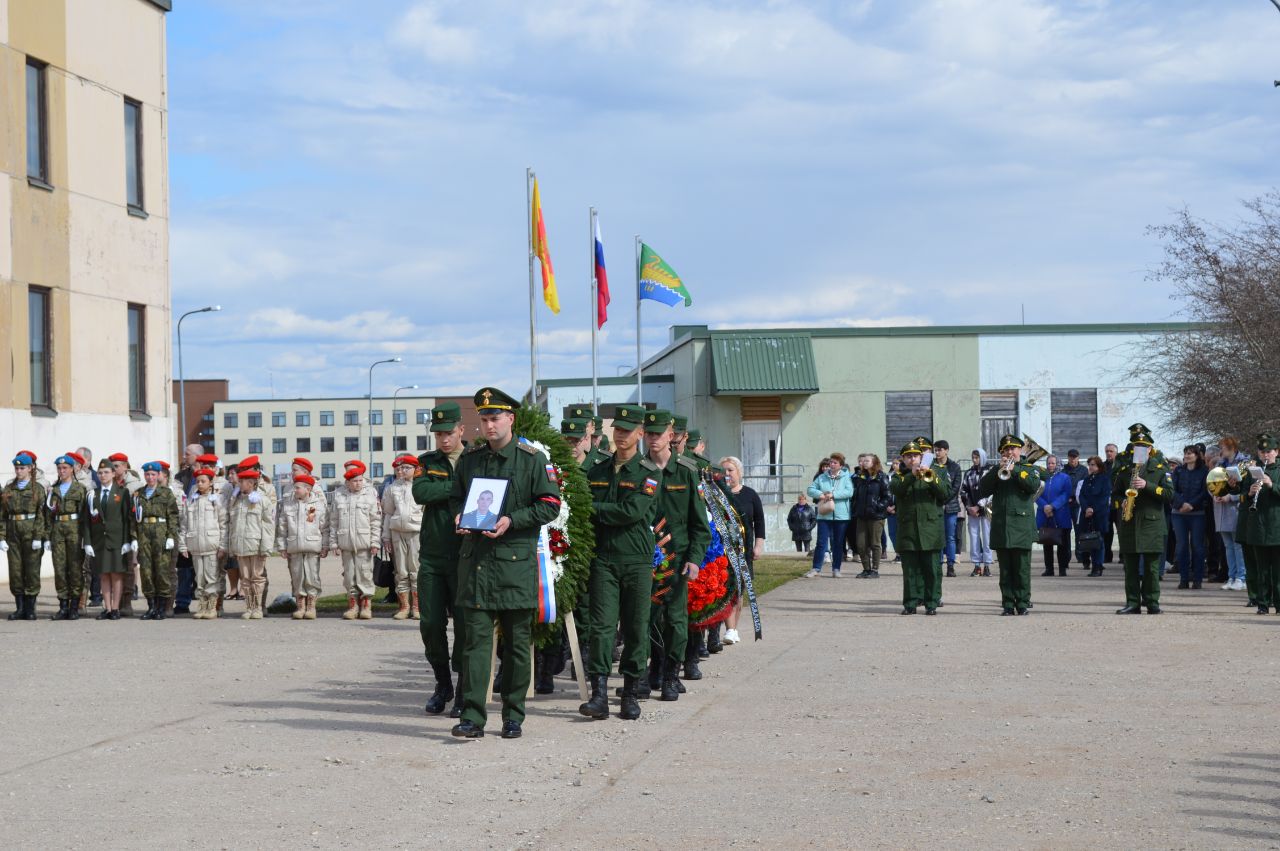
[{"x": 1063, "y": 548}]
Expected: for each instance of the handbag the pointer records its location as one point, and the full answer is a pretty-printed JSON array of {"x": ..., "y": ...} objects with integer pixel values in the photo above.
[
  {"x": 826, "y": 506},
  {"x": 1048, "y": 535},
  {"x": 1087, "y": 544},
  {"x": 384, "y": 572}
]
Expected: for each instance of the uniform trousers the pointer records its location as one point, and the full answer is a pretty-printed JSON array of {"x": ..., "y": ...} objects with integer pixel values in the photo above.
[
  {"x": 1141, "y": 578},
  {"x": 304, "y": 570},
  {"x": 404, "y": 552},
  {"x": 669, "y": 621},
  {"x": 921, "y": 579},
  {"x": 1015, "y": 578},
  {"x": 477, "y": 662},
  {"x": 154, "y": 560},
  {"x": 1268, "y": 581},
  {"x": 24, "y": 562},
  {"x": 437, "y": 589},
  {"x": 208, "y": 578},
  {"x": 620, "y": 596},
  {"x": 253, "y": 576},
  {"x": 68, "y": 559},
  {"x": 1251, "y": 572},
  {"x": 357, "y": 572}
]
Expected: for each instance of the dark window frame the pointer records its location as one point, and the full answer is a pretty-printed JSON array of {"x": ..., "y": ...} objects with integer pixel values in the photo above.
[
  {"x": 279, "y": 419},
  {"x": 44, "y": 405},
  {"x": 326, "y": 419},
  {"x": 250, "y": 419},
  {"x": 328, "y": 471},
  {"x": 138, "y": 370},
  {"x": 230, "y": 419},
  {"x": 326, "y": 444},
  {"x": 400, "y": 443},
  {"x": 351, "y": 444},
  {"x": 302, "y": 419},
  {"x": 303, "y": 444},
  {"x": 375, "y": 443},
  {"x": 279, "y": 445},
  {"x": 138, "y": 207},
  {"x": 42, "y": 179},
  {"x": 422, "y": 443},
  {"x": 255, "y": 446},
  {"x": 351, "y": 418},
  {"x": 231, "y": 446}
]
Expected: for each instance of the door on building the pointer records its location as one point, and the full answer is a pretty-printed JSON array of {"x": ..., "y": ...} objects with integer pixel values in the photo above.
[
  {"x": 999, "y": 417},
  {"x": 762, "y": 445}
]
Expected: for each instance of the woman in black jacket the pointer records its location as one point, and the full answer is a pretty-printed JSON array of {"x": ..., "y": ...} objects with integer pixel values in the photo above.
[
  {"x": 869, "y": 508},
  {"x": 1190, "y": 502},
  {"x": 800, "y": 520}
]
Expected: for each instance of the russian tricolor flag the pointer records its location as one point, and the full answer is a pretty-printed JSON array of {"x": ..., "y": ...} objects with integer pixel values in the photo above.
[
  {"x": 546, "y": 581},
  {"x": 602, "y": 282}
]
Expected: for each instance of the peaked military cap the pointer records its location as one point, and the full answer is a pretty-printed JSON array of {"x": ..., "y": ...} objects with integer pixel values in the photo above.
[
  {"x": 491, "y": 400},
  {"x": 657, "y": 420},
  {"x": 574, "y": 427},
  {"x": 912, "y": 448},
  {"x": 598, "y": 422},
  {"x": 1267, "y": 441},
  {"x": 445, "y": 416},
  {"x": 923, "y": 443},
  {"x": 1138, "y": 427},
  {"x": 579, "y": 412},
  {"x": 1011, "y": 440},
  {"x": 1140, "y": 436},
  {"x": 681, "y": 423},
  {"x": 695, "y": 436},
  {"x": 628, "y": 417}
]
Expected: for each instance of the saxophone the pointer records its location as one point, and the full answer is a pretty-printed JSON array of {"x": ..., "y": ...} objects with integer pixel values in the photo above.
[{"x": 1131, "y": 495}]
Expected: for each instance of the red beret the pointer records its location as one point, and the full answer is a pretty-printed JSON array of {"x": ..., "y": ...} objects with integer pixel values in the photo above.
[
  {"x": 166, "y": 466},
  {"x": 247, "y": 474},
  {"x": 355, "y": 465},
  {"x": 304, "y": 463},
  {"x": 205, "y": 471},
  {"x": 305, "y": 479},
  {"x": 77, "y": 457},
  {"x": 353, "y": 473},
  {"x": 249, "y": 461},
  {"x": 28, "y": 452},
  {"x": 405, "y": 459},
  {"x": 119, "y": 456},
  {"x": 208, "y": 460}
]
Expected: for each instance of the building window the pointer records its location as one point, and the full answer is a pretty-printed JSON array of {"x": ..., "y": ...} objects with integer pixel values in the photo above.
[
  {"x": 999, "y": 410},
  {"x": 255, "y": 446},
  {"x": 907, "y": 415},
  {"x": 37, "y": 122},
  {"x": 38, "y": 347},
  {"x": 351, "y": 418},
  {"x": 377, "y": 471},
  {"x": 375, "y": 444},
  {"x": 230, "y": 447},
  {"x": 137, "y": 359},
  {"x": 326, "y": 444},
  {"x": 399, "y": 417},
  {"x": 278, "y": 445},
  {"x": 133, "y": 153},
  {"x": 375, "y": 417},
  {"x": 304, "y": 444},
  {"x": 421, "y": 416},
  {"x": 1073, "y": 416},
  {"x": 230, "y": 420},
  {"x": 399, "y": 443},
  {"x": 302, "y": 418},
  {"x": 351, "y": 444},
  {"x": 328, "y": 471},
  {"x": 422, "y": 443},
  {"x": 277, "y": 419},
  {"x": 255, "y": 419},
  {"x": 326, "y": 418}
]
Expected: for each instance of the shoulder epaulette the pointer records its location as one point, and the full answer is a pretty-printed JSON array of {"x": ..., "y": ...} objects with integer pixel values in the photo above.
[
  {"x": 528, "y": 447},
  {"x": 605, "y": 455},
  {"x": 475, "y": 447},
  {"x": 687, "y": 462},
  {"x": 648, "y": 465}
]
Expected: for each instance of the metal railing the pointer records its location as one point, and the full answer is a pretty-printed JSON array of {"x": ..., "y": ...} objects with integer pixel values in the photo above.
[{"x": 775, "y": 482}]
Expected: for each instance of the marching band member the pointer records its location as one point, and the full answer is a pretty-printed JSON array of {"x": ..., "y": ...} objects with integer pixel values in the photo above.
[
  {"x": 1012, "y": 487},
  {"x": 919, "y": 494}
]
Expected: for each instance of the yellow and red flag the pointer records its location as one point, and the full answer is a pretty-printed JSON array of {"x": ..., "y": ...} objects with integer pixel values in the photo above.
[{"x": 538, "y": 243}]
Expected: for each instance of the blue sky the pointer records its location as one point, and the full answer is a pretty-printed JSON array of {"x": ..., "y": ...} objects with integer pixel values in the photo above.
[{"x": 347, "y": 179}]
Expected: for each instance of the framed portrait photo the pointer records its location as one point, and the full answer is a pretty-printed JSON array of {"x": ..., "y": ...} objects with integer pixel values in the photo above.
[{"x": 485, "y": 499}]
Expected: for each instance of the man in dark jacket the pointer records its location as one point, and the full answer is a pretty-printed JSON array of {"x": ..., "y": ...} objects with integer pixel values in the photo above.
[{"x": 950, "y": 511}]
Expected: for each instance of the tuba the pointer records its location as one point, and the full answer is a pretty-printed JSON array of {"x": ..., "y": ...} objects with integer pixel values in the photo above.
[
  {"x": 1033, "y": 451},
  {"x": 1217, "y": 481}
]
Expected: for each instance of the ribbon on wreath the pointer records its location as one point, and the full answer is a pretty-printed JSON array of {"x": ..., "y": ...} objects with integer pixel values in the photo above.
[{"x": 546, "y": 580}]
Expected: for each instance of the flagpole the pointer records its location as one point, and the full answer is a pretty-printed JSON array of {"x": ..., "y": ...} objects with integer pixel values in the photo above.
[
  {"x": 639, "y": 362},
  {"x": 595, "y": 312},
  {"x": 533, "y": 315}
]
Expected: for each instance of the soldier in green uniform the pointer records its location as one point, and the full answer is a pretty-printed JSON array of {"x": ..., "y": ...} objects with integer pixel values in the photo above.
[
  {"x": 1143, "y": 532},
  {"x": 23, "y": 531},
  {"x": 497, "y": 569},
  {"x": 680, "y": 434},
  {"x": 155, "y": 514},
  {"x": 680, "y": 505},
  {"x": 577, "y": 436},
  {"x": 1012, "y": 486},
  {"x": 1262, "y": 500},
  {"x": 624, "y": 496},
  {"x": 67, "y": 501},
  {"x": 438, "y": 557},
  {"x": 919, "y": 496},
  {"x": 1244, "y": 537}
]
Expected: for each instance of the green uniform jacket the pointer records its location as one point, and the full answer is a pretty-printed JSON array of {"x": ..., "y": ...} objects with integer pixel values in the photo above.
[
  {"x": 438, "y": 540},
  {"x": 918, "y": 506},
  {"x": 1244, "y": 520},
  {"x": 681, "y": 503},
  {"x": 15, "y": 502},
  {"x": 1147, "y": 531},
  {"x": 162, "y": 504},
  {"x": 1013, "y": 506},
  {"x": 625, "y": 502},
  {"x": 1264, "y": 524},
  {"x": 75, "y": 502},
  {"x": 595, "y": 456},
  {"x": 111, "y": 527},
  {"x": 501, "y": 573}
]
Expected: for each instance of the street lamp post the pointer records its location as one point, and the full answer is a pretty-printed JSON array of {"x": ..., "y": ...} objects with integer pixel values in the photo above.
[
  {"x": 395, "y": 431},
  {"x": 371, "y": 366},
  {"x": 182, "y": 378}
]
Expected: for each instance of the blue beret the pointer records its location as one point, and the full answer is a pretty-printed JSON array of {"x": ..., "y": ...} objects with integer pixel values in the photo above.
[
  {"x": 64, "y": 459},
  {"x": 24, "y": 459},
  {"x": 152, "y": 467}
]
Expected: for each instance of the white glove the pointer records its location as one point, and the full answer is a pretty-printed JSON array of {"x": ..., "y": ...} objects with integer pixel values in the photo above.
[
  {"x": 133, "y": 545},
  {"x": 168, "y": 543},
  {"x": 255, "y": 498},
  {"x": 124, "y": 550},
  {"x": 88, "y": 550},
  {"x": 35, "y": 546},
  {"x": 4, "y": 546},
  {"x": 47, "y": 546}
]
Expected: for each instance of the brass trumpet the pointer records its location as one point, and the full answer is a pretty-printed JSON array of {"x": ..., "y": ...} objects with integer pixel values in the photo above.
[
  {"x": 1006, "y": 469},
  {"x": 925, "y": 475}
]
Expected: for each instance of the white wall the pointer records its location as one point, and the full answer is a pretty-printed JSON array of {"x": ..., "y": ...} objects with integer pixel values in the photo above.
[{"x": 662, "y": 395}]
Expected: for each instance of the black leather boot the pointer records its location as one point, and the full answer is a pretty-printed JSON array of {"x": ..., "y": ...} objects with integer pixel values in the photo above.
[
  {"x": 543, "y": 666},
  {"x": 73, "y": 609},
  {"x": 443, "y": 694},
  {"x": 150, "y": 614},
  {"x": 162, "y": 606},
  {"x": 702, "y": 651},
  {"x": 19, "y": 607},
  {"x": 670, "y": 682},
  {"x": 630, "y": 708},
  {"x": 692, "y": 671},
  {"x": 30, "y": 613},
  {"x": 61, "y": 614},
  {"x": 597, "y": 707},
  {"x": 714, "y": 645}
]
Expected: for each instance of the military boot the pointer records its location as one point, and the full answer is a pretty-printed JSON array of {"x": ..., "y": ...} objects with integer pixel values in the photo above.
[
  {"x": 19, "y": 607},
  {"x": 692, "y": 671},
  {"x": 61, "y": 614},
  {"x": 597, "y": 707},
  {"x": 162, "y": 607},
  {"x": 630, "y": 709},
  {"x": 543, "y": 679},
  {"x": 456, "y": 710},
  {"x": 670, "y": 682},
  {"x": 353, "y": 608},
  {"x": 150, "y": 613},
  {"x": 30, "y": 613},
  {"x": 714, "y": 644},
  {"x": 444, "y": 691},
  {"x": 366, "y": 608},
  {"x": 414, "y": 611}
]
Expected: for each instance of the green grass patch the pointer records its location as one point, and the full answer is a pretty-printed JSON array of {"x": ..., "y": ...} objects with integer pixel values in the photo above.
[
  {"x": 338, "y": 603},
  {"x": 772, "y": 571}
]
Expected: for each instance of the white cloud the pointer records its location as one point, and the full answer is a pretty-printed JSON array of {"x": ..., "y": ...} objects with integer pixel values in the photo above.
[{"x": 421, "y": 29}]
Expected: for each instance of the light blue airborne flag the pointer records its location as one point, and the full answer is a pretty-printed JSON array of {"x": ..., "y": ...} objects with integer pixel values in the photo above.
[{"x": 659, "y": 282}]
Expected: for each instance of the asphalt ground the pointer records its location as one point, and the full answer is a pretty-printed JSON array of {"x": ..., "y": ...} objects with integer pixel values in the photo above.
[{"x": 848, "y": 726}]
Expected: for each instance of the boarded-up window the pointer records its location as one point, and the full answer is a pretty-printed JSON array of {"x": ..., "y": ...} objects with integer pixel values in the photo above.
[
  {"x": 907, "y": 415},
  {"x": 999, "y": 417},
  {"x": 756, "y": 408},
  {"x": 1074, "y": 420}
]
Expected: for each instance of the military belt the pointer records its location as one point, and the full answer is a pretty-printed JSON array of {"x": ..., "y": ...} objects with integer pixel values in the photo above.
[
  {"x": 24, "y": 517},
  {"x": 155, "y": 520},
  {"x": 65, "y": 517}
]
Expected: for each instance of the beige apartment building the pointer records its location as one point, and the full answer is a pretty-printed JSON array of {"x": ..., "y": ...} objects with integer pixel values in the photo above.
[{"x": 84, "y": 228}]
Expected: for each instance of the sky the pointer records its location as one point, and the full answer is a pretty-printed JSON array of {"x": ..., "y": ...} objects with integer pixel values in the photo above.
[{"x": 348, "y": 179}]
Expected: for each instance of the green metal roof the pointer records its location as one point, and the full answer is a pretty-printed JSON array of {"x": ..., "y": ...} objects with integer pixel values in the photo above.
[{"x": 744, "y": 363}]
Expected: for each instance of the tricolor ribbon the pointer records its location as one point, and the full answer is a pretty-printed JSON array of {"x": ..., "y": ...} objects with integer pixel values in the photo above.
[{"x": 546, "y": 580}]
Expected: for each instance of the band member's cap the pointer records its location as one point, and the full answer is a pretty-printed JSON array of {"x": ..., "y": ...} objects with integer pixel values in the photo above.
[
  {"x": 1138, "y": 427},
  {"x": 574, "y": 428},
  {"x": 628, "y": 417},
  {"x": 207, "y": 473},
  {"x": 1267, "y": 441},
  {"x": 657, "y": 420},
  {"x": 1140, "y": 437},
  {"x": 305, "y": 479},
  {"x": 24, "y": 459},
  {"x": 912, "y": 448},
  {"x": 304, "y": 464},
  {"x": 445, "y": 416},
  {"x": 491, "y": 400},
  {"x": 923, "y": 442},
  {"x": 1011, "y": 440},
  {"x": 152, "y": 467}
]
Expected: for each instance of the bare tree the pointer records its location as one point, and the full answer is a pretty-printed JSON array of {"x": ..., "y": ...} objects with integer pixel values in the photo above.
[{"x": 1221, "y": 378}]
